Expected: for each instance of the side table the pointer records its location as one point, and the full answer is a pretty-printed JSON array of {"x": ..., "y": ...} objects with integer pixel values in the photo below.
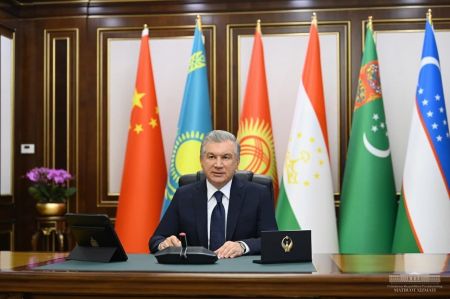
[{"x": 52, "y": 234}]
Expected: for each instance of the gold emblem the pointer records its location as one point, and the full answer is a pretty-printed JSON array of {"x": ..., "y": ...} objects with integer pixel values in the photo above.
[
  {"x": 186, "y": 145},
  {"x": 303, "y": 161},
  {"x": 257, "y": 148},
  {"x": 93, "y": 242},
  {"x": 292, "y": 174},
  {"x": 197, "y": 61},
  {"x": 287, "y": 244}
]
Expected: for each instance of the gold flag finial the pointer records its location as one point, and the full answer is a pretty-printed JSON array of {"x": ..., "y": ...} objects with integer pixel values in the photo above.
[
  {"x": 370, "y": 24},
  {"x": 429, "y": 16},
  {"x": 199, "y": 22},
  {"x": 314, "y": 19},
  {"x": 145, "y": 30},
  {"x": 258, "y": 26}
]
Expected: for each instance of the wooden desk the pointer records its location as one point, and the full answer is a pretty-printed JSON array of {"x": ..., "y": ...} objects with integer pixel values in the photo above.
[{"x": 336, "y": 276}]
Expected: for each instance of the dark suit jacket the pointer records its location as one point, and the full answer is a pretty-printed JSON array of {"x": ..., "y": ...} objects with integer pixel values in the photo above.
[{"x": 250, "y": 211}]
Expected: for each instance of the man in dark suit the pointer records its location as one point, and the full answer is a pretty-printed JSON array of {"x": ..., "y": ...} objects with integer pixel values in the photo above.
[{"x": 222, "y": 213}]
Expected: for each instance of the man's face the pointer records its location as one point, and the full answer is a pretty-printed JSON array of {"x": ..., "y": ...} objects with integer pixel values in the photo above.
[{"x": 219, "y": 162}]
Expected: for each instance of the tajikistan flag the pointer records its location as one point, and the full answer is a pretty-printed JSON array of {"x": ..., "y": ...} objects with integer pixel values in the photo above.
[{"x": 306, "y": 194}]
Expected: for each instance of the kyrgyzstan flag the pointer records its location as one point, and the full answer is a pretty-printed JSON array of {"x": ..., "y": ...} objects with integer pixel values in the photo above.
[
  {"x": 255, "y": 126},
  {"x": 144, "y": 172}
]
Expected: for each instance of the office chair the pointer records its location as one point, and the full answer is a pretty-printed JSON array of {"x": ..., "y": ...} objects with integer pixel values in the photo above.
[{"x": 264, "y": 180}]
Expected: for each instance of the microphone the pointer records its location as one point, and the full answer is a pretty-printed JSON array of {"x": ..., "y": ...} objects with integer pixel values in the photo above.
[
  {"x": 179, "y": 255},
  {"x": 183, "y": 252}
]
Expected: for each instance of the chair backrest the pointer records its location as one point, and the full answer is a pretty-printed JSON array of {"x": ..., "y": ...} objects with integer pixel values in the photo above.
[{"x": 241, "y": 174}]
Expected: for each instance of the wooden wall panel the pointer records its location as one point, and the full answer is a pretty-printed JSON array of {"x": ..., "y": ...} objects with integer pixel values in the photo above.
[
  {"x": 7, "y": 236},
  {"x": 61, "y": 48},
  {"x": 81, "y": 23}
]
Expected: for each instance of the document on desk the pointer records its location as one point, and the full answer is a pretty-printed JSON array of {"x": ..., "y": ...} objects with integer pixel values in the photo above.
[{"x": 148, "y": 263}]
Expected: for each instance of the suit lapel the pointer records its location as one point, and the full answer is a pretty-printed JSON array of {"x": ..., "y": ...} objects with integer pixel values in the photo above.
[
  {"x": 201, "y": 213},
  {"x": 234, "y": 206}
]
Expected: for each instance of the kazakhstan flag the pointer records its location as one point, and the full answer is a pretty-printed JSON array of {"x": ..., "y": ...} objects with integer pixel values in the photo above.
[{"x": 194, "y": 121}]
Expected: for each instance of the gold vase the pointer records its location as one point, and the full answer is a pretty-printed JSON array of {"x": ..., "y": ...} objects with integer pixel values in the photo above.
[{"x": 51, "y": 208}]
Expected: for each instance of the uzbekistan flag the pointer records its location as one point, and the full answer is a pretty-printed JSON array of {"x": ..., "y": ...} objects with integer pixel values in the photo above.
[{"x": 423, "y": 218}]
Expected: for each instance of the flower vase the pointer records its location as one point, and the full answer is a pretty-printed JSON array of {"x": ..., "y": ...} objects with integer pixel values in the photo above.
[{"x": 47, "y": 209}]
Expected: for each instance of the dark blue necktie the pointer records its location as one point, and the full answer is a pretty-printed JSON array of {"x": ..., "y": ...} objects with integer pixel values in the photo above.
[{"x": 217, "y": 225}]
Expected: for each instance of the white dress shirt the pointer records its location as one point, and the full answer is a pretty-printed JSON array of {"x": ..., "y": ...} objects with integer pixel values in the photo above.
[{"x": 210, "y": 190}]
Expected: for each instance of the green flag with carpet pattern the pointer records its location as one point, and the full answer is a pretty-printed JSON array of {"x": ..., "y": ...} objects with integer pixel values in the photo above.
[{"x": 368, "y": 197}]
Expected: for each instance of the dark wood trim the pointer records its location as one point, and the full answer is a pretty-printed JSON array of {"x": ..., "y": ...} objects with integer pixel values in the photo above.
[
  {"x": 337, "y": 276},
  {"x": 191, "y": 285},
  {"x": 84, "y": 8}
]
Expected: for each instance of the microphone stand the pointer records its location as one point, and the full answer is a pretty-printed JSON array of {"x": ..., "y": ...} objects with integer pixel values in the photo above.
[{"x": 183, "y": 252}]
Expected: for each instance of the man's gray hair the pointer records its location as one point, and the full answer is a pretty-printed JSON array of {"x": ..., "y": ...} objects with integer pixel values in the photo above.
[{"x": 217, "y": 136}]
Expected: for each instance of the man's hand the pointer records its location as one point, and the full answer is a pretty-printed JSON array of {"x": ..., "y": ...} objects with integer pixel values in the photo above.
[
  {"x": 171, "y": 241},
  {"x": 229, "y": 249}
]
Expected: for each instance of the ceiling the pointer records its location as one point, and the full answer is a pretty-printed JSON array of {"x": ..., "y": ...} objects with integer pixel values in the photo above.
[{"x": 42, "y": 2}]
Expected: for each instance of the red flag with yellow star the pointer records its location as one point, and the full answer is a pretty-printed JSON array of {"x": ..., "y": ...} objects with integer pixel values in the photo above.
[
  {"x": 144, "y": 172},
  {"x": 255, "y": 126}
]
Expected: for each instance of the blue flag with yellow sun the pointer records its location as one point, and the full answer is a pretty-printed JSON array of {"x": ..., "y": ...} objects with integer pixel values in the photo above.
[{"x": 194, "y": 121}]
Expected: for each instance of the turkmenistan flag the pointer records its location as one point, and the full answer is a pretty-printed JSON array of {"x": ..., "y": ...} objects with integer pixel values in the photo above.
[
  {"x": 368, "y": 197},
  {"x": 306, "y": 198}
]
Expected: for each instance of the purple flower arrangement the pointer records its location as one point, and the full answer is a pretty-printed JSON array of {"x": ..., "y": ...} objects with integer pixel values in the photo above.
[{"x": 50, "y": 185}]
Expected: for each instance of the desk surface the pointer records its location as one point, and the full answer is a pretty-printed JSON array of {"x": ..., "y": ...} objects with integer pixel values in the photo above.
[{"x": 409, "y": 275}]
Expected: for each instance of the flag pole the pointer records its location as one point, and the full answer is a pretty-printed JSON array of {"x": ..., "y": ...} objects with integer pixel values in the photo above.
[
  {"x": 145, "y": 30},
  {"x": 429, "y": 16},
  {"x": 258, "y": 26},
  {"x": 370, "y": 24},
  {"x": 199, "y": 22},
  {"x": 314, "y": 19}
]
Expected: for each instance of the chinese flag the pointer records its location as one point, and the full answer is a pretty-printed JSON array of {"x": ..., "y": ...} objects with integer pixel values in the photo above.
[
  {"x": 255, "y": 125},
  {"x": 144, "y": 171}
]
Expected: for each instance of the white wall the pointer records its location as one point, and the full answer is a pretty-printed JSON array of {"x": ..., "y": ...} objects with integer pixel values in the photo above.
[{"x": 6, "y": 117}]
